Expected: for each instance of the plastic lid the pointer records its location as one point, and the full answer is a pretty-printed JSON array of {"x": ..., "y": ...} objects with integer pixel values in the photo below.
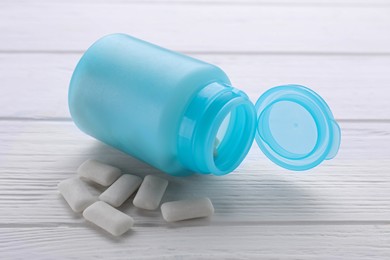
[{"x": 296, "y": 128}]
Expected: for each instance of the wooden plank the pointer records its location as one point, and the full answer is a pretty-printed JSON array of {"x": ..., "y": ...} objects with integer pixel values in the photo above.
[
  {"x": 46, "y": 26},
  {"x": 355, "y": 87},
  {"x": 337, "y": 211},
  {"x": 199, "y": 242},
  {"x": 354, "y": 187},
  {"x": 333, "y": 3}
]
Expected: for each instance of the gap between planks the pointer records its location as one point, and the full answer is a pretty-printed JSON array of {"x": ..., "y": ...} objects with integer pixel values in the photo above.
[
  {"x": 282, "y": 3},
  {"x": 216, "y": 53},
  {"x": 68, "y": 119},
  {"x": 354, "y": 187},
  {"x": 258, "y": 28},
  {"x": 205, "y": 242},
  {"x": 356, "y": 93},
  {"x": 200, "y": 223}
]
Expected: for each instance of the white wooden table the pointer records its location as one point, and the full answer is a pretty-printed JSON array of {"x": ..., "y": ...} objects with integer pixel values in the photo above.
[{"x": 341, "y": 49}]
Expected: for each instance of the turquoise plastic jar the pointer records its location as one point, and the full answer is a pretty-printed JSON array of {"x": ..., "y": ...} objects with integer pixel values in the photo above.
[{"x": 168, "y": 110}]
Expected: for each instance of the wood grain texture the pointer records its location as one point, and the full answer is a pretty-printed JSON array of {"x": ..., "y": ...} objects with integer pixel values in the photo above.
[
  {"x": 36, "y": 85},
  {"x": 340, "y": 210},
  {"x": 199, "y": 242},
  {"x": 234, "y": 28},
  {"x": 354, "y": 187},
  {"x": 326, "y": 3}
]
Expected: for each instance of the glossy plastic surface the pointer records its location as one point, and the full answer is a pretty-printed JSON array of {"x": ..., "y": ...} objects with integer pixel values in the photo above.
[
  {"x": 205, "y": 116},
  {"x": 296, "y": 128}
]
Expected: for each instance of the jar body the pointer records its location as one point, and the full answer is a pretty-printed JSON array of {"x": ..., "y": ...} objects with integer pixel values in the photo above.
[{"x": 132, "y": 95}]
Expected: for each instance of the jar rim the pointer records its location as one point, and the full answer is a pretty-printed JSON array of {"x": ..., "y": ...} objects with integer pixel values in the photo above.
[{"x": 201, "y": 123}]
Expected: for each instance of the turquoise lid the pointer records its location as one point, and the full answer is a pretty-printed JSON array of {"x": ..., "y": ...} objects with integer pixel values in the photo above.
[{"x": 295, "y": 127}]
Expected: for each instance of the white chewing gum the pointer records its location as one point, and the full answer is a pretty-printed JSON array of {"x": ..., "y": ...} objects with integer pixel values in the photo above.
[
  {"x": 121, "y": 190},
  {"x": 98, "y": 172},
  {"x": 108, "y": 218},
  {"x": 187, "y": 209},
  {"x": 150, "y": 193},
  {"x": 76, "y": 194}
]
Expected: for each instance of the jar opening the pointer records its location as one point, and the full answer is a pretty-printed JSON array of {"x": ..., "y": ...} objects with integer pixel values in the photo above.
[
  {"x": 234, "y": 138},
  {"x": 222, "y": 113}
]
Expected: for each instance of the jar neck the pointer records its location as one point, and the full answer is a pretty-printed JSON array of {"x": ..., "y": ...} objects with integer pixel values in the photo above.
[{"x": 201, "y": 122}]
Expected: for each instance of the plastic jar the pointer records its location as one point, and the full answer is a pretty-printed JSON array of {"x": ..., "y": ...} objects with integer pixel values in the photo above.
[{"x": 168, "y": 109}]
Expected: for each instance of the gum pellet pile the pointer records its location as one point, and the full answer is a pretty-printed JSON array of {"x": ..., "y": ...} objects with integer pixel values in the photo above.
[{"x": 101, "y": 210}]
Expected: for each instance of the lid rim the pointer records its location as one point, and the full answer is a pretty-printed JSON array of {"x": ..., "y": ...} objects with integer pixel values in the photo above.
[{"x": 327, "y": 139}]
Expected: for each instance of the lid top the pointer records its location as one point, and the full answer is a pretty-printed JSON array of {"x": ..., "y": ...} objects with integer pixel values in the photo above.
[{"x": 296, "y": 128}]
